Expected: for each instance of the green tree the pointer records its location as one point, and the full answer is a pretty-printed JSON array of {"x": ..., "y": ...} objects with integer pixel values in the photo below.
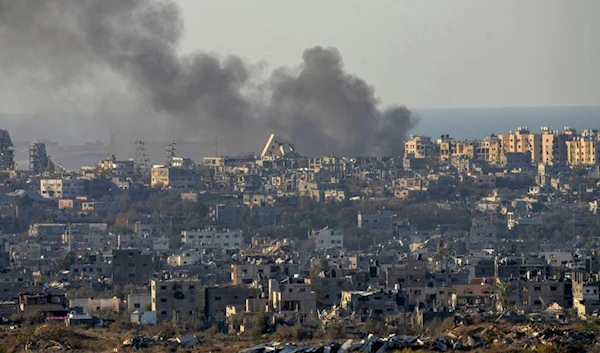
[
  {"x": 65, "y": 262},
  {"x": 320, "y": 266},
  {"x": 260, "y": 324}
]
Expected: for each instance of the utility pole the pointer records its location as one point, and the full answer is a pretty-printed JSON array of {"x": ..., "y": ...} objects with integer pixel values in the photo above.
[{"x": 69, "y": 233}]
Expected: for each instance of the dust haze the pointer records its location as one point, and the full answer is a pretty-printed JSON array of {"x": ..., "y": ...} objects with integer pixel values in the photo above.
[{"x": 114, "y": 66}]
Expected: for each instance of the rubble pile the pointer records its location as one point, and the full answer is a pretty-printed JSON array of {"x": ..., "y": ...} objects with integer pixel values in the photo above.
[
  {"x": 513, "y": 337},
  {"x": 46, "y": 345},
  {"x": 139, "y": 342}
]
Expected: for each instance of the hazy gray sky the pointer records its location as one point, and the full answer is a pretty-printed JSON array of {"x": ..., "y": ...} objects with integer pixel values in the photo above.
[
  {"x": 115, "y": 71},
  {"x": 422, "y": 53}
]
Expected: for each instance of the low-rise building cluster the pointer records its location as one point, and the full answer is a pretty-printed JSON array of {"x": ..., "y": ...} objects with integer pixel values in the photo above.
[{"x": 506, "y": 223}]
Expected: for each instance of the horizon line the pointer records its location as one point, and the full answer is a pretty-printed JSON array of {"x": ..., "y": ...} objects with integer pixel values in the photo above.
[
  {"x": 407, "y": 106},
  {"x": 507, "y": 107}
]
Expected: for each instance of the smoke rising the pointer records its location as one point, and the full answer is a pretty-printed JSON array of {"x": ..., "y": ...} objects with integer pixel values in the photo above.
[{"x": 123, "y": 55}]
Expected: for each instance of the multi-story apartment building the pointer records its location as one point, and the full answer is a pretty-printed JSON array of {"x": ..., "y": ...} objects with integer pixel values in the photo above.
[
  {"x": 131, "y": 267},
  {"x": 227, "y": 216},
  {"x": 226, "y": 239},
  {"x": 373, "y": 304},
  {"x": 116, "y": 168},
  {"x": 176, "y": 300},
  {"x": 217, "y": 299},
  {"x": 12, "y": 283},
  {"x": 7, "y": 151},
  {"x": 260, "y": 271},
  {"x": 381, "y": 220},
  {"x": 522, "y": 140},
  {"x": 174, "y": 178},
  {"x": 328, "y": 238},
  {"x": 488, "y": 149},
  {"x": 445, "y": 145},
  {"x": 536, "y": 294},
  {"x": 584, "y": 150},
  {"x": 554, "y": 145},
  {"x": 464, "y": 148},
  {"x": 293, "y": 296},
  {"x": 62, "y": 188},
  {"x": 419, "y": 147}
]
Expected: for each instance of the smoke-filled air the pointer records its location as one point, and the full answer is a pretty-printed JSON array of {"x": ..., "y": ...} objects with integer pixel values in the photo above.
[{"x": 100, "y": 56}]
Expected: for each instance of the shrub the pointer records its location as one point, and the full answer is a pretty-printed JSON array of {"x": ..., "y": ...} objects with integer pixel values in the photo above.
[
  {"x": 260, "y": 324},
  {"x": 439, "y": 326},
  {"x": 294, "y": 333}
]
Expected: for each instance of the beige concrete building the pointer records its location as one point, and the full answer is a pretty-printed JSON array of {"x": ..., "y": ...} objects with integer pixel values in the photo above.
[
  {"x": 373, "y": 304},
  {"x": 464, "y": 148},
  {"x": 445, "y": 145},
  {"x": 489, "y": 149},
  {"x": 419, "y": 147},
  {"x": 554, "y": 145},
  {"x": 247, "y": 273},
  {"x": 174, "y": 178},
  {"x": 522, "y": 140},
  {"x": 584, "y": 150},
  {"x": 450, "y": 148},
  {"x": 293, "y": 296}
]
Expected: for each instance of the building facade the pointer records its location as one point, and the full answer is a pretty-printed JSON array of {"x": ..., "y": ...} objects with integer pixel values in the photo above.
[
  {"x": 131, "y": 267},
  {"x": 226, "y": 239},
  {"x": 62, "y": 188},
  {"x": 176, "y": 300},
  {"x": 328, "y": 238}
]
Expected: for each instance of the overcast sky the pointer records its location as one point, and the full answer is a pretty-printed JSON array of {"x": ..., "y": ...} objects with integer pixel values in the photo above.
[{"x": 425, "y": 54}]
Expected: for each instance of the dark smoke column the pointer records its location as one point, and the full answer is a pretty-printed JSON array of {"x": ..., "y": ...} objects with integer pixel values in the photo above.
[
  {"x": 61, "y": 44},
  {"x": 324, "y": 110}
]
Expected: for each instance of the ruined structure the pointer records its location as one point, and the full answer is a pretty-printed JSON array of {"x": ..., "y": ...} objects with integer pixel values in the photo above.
[
  {"x": 38, "y": 158},
  {"x": 7, "y": 152},
  {"x": 276, "y": 147}
]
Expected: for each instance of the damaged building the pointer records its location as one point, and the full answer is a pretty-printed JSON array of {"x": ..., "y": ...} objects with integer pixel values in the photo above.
[
  {"x": 7, "y": 152},
  {"x": 277, "y": 147},
  {"x": 38, "y": 158}
]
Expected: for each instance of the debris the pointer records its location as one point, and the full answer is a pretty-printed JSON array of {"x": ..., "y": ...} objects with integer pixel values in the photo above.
[{"x": 461, "y": 338}]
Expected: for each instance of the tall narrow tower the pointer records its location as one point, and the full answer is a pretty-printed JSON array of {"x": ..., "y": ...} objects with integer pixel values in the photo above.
[
  {"x": 142, "y": 161},
  {"x": 38, "y": 158}
]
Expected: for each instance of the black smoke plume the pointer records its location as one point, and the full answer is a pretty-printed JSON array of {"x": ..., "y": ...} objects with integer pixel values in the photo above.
[{"x": 73, "y": 46}]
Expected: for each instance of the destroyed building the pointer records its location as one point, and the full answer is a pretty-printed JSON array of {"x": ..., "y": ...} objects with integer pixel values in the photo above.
[
  {"x": 7, "y": 152},
  {"x": 38, "y": 158},
  {"x": 277, "y": 147}
]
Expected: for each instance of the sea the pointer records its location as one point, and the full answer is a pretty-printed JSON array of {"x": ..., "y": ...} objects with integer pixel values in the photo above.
[
  {"x": 468, "y": 123},
  {"x": 460, "y": 123}
]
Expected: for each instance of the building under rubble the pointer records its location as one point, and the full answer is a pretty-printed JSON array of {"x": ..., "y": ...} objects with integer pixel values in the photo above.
[{"x": 7, "y": 152}]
